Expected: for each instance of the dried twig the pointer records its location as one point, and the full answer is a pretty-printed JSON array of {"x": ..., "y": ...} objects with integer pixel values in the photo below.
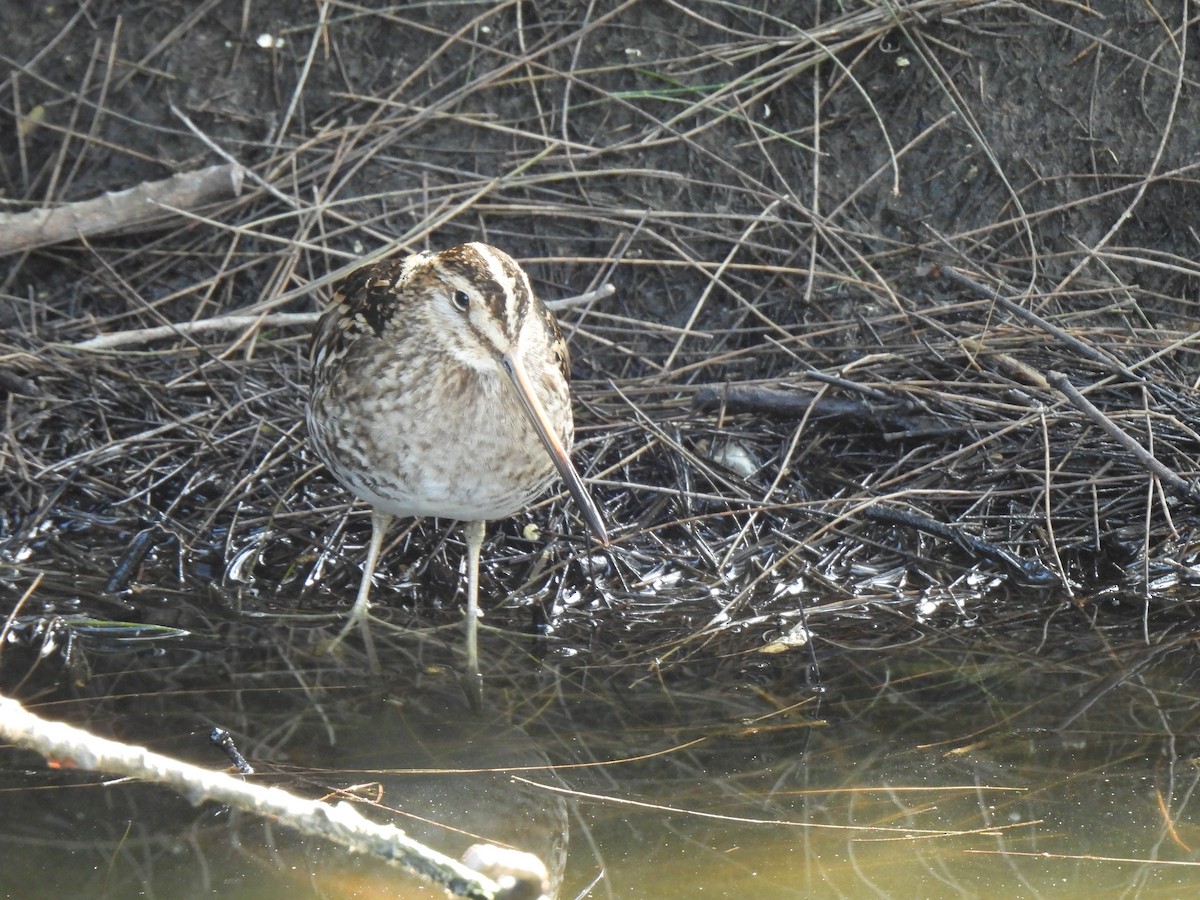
[
  {"x": 118, "y": 210},
  {"x": 1144, "y": 457},
  {"x": 1003, "y": 297}
]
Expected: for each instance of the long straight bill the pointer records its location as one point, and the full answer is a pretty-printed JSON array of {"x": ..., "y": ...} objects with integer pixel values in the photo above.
[{"x": 558, "y": 453}]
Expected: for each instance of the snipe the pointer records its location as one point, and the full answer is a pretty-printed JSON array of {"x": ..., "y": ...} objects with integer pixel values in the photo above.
[{"x": 439, "y": 388}]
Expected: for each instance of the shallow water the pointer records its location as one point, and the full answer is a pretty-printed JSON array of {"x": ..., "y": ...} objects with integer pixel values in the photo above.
[
  {"x": 944, "y": 769},
  {"x": 927, "y": 777}
]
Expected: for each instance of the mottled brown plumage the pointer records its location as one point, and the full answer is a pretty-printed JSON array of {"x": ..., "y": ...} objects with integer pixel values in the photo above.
[{"x": 439, "y": 388}]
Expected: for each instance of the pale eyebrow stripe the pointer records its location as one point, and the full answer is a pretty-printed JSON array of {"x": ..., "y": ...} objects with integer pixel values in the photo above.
[{"x": 509, "y": 282}]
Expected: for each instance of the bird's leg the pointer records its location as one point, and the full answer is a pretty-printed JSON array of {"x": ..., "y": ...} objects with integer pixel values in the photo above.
[
  {"x": 473, "y": 532},
  {"x": 360, "y": 613}
]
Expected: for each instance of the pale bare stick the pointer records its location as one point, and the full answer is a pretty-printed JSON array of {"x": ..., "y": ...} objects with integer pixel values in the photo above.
[
  {"x": 339, "y": 823},
  {"x": 119, "y": 210},
  {"x": 235, "y": 321},
  {"x": 200, "y": 326},
  {"x": 600, "y": 293}
]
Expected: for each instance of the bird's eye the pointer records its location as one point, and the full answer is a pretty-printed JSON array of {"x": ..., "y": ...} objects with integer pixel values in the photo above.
[{"x": 461, "y": 300}]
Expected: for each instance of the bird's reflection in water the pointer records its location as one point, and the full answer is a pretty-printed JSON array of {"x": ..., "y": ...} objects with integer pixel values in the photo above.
[{"x": 443, "y": 774}]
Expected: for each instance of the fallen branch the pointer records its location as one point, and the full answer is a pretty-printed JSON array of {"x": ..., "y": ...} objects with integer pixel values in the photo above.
[
  {"x": 340, "y": 823},
  {"x": 119, "y": 210}
]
